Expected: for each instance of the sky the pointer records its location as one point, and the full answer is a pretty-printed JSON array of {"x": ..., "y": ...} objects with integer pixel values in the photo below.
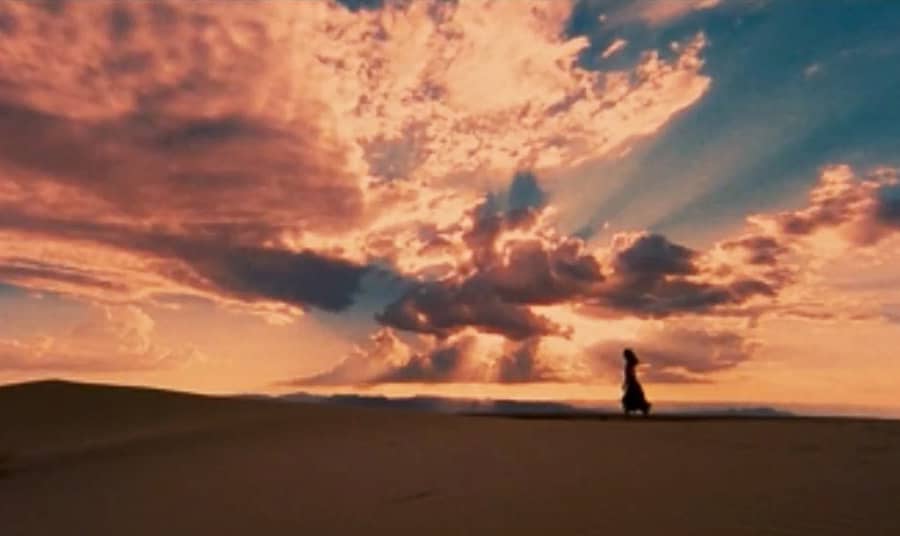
[{"x": 463, "y": 198}]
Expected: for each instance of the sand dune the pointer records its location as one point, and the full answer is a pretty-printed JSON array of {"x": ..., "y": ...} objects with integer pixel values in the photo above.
[{"x": 104, "y": 460}]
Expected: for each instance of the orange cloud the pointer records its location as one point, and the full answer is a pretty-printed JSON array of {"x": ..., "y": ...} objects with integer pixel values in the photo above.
[
  {"x": 262, "y": 155},
  {"x": 692, "y": 313},
  {"x": 467, "y": 356},
  {"x": 848, "y": 219},
  {"x": 147, "y": 139},
  {"x": 112, "y": 338}
]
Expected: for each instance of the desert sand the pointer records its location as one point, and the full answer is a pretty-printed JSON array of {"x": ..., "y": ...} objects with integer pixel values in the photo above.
[{"x": 97, "y": 460}]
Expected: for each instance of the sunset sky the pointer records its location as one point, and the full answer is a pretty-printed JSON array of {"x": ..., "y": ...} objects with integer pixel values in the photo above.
[{"x": 471, "y": 198}]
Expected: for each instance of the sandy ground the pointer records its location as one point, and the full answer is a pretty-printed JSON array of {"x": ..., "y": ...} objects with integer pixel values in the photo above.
[{"x": 101, "y": 460}]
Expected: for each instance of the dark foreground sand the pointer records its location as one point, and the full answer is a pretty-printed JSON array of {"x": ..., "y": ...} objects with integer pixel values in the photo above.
[{"x": 101, "y": 460}]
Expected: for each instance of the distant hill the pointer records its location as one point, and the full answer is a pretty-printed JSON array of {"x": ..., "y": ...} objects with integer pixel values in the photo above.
[
  {"x": 435, "y": 404},
  {"x": 534, "y": 408}
]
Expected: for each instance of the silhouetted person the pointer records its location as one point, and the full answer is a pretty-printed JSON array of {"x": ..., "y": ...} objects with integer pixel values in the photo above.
[{"x": 633, "y": 399}]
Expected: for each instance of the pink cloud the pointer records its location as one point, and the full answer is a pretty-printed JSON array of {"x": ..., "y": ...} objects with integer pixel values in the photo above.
[
  {"x": 658, "y": 12},
  {"x": 147, "y": 139},
  {"x": 711, "y": 301},
  {"x": 614, "y": 47},
  {"x": 262, "y": 156},
  {"x": 117, "y": 338},
  {"x": 679, "y": 352}
]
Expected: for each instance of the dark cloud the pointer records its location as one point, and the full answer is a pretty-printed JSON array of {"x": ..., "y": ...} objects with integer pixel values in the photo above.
[
  {"x": 444, "y": 308},
  {"x": 121, "y": 22},
  {"x": 54, "y": 7},
  {"x": 676, "y": 354},
  {"x": 211, "y": 262},
  {"x": 537, "y": 275},
  {"x": 652, "y": 256},
  {"x": 654, "y": 277},
  {"x": 9, "y": 24},
  {"x": 650, "y": 277},
  {"x": 758, "y": 249},
  {"x": 666, "y": 298},
  {"x": 300, "y": 278},
  {"x": 162, "y": 15},
  {"x": 496, "y": 296}
]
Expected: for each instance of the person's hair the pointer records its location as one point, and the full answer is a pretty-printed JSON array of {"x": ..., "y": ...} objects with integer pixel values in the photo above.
[{"x": 630, "y": 355}]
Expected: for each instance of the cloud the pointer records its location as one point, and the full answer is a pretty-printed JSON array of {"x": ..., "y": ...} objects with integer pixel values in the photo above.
[
  {"x": 438, "y": 74},
  {"x": 208, "y": 262},
  {"x": 516, "y": 263},
  {"x": 654, "y": 277},
  {"x": 812, "y": 70},
  {"x": 118, "y": 338},
  {"x": 240, "y": 151},
  {"x": 891, "y": 312},
  {"x": 384, "y": 351},
  {"x": 265, "y": 156},
  {"x": 861, "y": 210},
  {"x": 511, "y": 266},
  {"x": 676, "y": 352},
  {"x": 658, "y": 12},
  {"x": 356, "y": 5},
  {"x": 519, "y": 274},
  {"x": 654, "y": 256},
  {"x": 525, "y": 364},
  {"x": 28, "y": 272},
  {"x": 467, "y": 357},
  {"x": 447, "y": 362},
  {"x": 442, "y": 309},
  {"x": 848, "y": 219},
  {"x": 614, "y": 47},
  {"x": 758, "y": 250},
  {"x": 153, "y": 147}
]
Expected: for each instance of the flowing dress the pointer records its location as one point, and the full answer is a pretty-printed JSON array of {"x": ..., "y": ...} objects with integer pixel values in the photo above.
[{"x": 633, "y": 399}]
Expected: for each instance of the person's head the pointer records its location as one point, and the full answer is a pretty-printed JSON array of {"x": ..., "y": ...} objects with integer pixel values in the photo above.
[{"x": 630, "y": 356}]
